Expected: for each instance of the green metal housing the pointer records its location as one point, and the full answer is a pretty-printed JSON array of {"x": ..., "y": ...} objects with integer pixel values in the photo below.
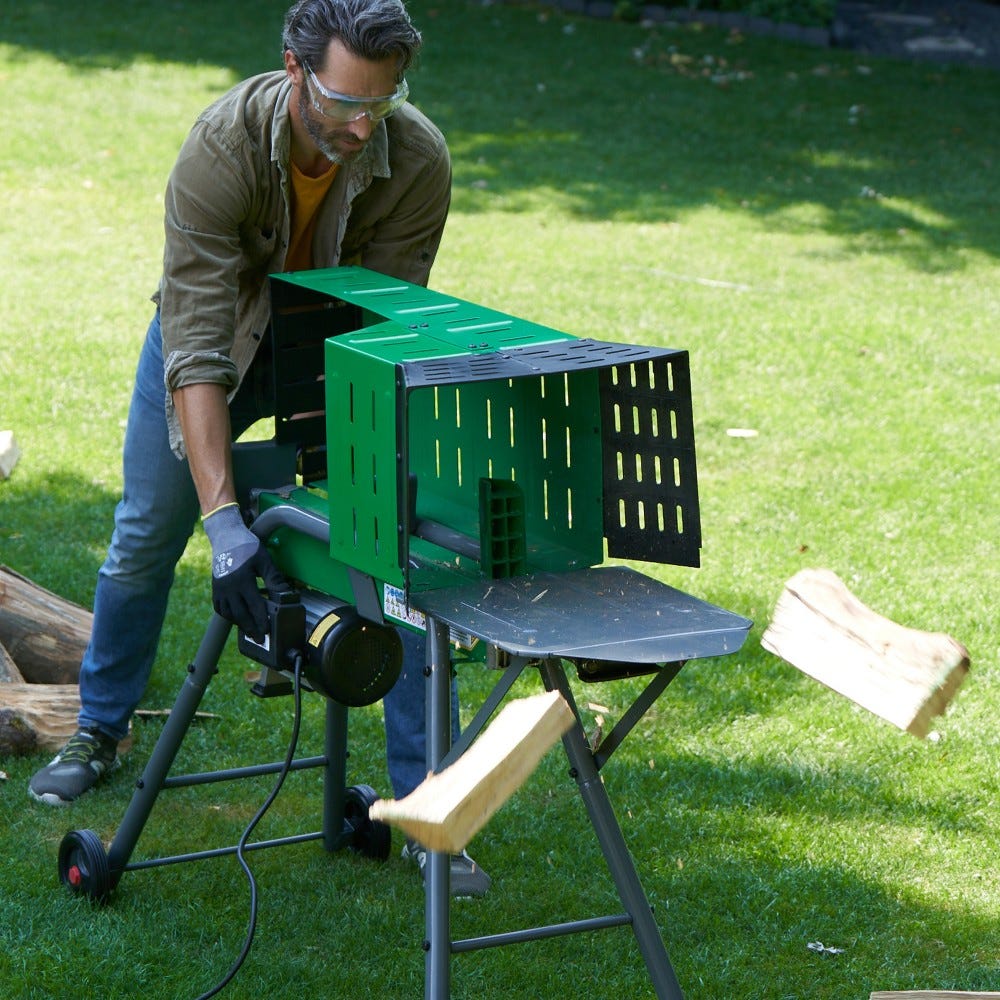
[{"x": 448, "y": 441}]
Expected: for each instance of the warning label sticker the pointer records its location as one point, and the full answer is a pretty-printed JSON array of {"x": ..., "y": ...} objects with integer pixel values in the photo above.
[{"x": 394, "y": 606}]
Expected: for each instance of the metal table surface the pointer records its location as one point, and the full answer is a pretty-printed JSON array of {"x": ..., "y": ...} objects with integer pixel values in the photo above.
[{"x": 606, "y": 613}]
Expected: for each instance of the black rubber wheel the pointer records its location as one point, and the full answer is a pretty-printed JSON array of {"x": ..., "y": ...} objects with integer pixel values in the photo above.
[
  {"x": 83, "y": 865},
  {"x": 369, "y": 837}
]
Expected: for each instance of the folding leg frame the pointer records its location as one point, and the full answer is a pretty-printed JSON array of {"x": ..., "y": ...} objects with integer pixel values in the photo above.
[
  {"x": 584, "y": 767},
  {"x": 84, "y": 865}
]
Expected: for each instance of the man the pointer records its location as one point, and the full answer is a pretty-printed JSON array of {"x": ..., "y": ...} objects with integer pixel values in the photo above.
[{"x": 323, "y": 163}]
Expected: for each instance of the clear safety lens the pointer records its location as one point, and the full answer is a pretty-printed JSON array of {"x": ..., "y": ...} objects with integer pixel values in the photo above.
[{"x": 344, "y": 108}]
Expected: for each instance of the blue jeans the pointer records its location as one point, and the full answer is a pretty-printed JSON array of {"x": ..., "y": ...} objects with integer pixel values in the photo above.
[{"x": 153, "y": 522}]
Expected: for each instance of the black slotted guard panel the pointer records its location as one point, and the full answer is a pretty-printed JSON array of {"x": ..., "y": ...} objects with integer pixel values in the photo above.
[
  {"x": 650, "y": 479},
  {"x": 301, "y": 321}
]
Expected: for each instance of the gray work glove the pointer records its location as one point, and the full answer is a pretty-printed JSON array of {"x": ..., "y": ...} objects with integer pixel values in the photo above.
[{"x": 238, "y": 558}]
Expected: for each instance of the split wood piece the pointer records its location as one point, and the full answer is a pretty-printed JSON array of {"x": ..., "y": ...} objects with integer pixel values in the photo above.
[
  {"x": 9, "y": 674},
  {"x": 45, "y": 634},
  {"x": 9, "y": 453},
  {"x": 901, "y": 674},
  {"x": 448, "y": 809},
  {"x": 932, "y": 995}
]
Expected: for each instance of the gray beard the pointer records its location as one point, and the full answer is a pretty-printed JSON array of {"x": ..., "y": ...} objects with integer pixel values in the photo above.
[{"x": 315, "y": 133}]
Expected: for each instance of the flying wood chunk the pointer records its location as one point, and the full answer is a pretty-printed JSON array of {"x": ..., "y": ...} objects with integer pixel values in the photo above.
[
  {"x": 448, "y": 809},
  {"x": 44, "y": 633},
  {"x": 901, "y": 674}
]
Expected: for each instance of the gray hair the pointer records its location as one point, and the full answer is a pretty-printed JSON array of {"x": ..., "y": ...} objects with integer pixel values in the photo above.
[{"x": 371, "y": 29}]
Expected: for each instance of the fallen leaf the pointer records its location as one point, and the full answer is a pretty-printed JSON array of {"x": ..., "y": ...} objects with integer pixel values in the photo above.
[{"x": 823, "y": 949}]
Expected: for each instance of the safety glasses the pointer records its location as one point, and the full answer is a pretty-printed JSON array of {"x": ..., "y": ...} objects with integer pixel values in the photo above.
[{"x": 344, "y": 108}]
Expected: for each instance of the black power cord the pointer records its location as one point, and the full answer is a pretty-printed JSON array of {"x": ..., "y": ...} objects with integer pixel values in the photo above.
[{"x": 241, "y": 846}]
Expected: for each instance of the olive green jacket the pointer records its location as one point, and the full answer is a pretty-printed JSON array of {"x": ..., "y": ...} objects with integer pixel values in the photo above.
[{"x": 227, "y": 225}]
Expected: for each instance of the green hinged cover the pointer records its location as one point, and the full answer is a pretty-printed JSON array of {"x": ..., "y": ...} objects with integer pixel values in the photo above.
[{"x": 427, "y": 395}]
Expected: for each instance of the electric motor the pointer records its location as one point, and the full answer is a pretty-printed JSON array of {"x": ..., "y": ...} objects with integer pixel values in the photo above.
[{"x": 348, "y": 658}]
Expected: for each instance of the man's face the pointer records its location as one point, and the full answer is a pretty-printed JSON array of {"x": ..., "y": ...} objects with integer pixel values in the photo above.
[{"x": 345, "y": 74}]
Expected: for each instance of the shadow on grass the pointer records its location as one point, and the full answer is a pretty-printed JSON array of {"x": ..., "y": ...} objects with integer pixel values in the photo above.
[
  {"x": 745, "y": 850},
  {"x": 603, "y": 120},
  {"x": 55, "y": 529},
  {"x": 781, "y": 914},
  {"x": 739, "y": 889},
  {"x": 729, "y": 792},
  {"x": 115, "y": 34},
  {"x": 896, "y": 163},
  {"x": 737, "y": 915}
]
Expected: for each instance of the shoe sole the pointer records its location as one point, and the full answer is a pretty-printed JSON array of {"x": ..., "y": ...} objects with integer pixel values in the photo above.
[{"x": 50, "y": 798}]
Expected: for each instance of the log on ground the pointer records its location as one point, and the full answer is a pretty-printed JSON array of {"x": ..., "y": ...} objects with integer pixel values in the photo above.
[
  {"x": 36, "y": 717},
  {"x": 45, "y": 634},
  {"x": 901, "y": 674}
]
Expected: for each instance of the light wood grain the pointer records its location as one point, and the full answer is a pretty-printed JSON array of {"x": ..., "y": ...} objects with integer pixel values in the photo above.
[
  {"x": 903, "y": 675},
  {"x": 448, "y": 809}
]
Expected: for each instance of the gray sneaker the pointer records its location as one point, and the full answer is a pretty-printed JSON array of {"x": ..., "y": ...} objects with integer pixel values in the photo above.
[
  {"x": 467, "y": 878},
  {"x": 88, "y": 755}
]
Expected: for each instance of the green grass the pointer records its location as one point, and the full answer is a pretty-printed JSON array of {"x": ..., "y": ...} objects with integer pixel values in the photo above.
[{"x": 820, "y": 231}]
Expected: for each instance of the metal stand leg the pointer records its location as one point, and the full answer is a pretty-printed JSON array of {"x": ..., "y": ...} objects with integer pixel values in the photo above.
[
  {"x": 335, "y": 775},
  {"x": 616, "y": 854},
  {"x": 437, "y": 877},
  {"x": 200, "y": 672}
]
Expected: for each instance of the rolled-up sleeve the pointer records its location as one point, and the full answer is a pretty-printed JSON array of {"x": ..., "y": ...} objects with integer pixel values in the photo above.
[{"x": 206, "y": 200}]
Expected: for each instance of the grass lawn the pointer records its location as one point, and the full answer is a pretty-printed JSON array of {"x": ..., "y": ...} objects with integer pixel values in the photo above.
[{"x": 820, "y": 230}]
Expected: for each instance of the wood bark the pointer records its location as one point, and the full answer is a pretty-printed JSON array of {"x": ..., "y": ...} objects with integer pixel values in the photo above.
[
  {"x": 903, "y": 675},
  {"x": 44, "y": 634},
  {"x": 35, "y": 717},
  {"x": 40, "y": 717},
  {"x": 446, "y": 810}
]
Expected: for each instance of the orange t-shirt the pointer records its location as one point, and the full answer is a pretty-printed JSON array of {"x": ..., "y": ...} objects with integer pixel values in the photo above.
[{"x": 307, "y": 194}]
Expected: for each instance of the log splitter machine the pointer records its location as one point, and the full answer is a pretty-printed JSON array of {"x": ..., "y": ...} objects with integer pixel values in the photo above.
[{"x": 446, "y": 468}]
